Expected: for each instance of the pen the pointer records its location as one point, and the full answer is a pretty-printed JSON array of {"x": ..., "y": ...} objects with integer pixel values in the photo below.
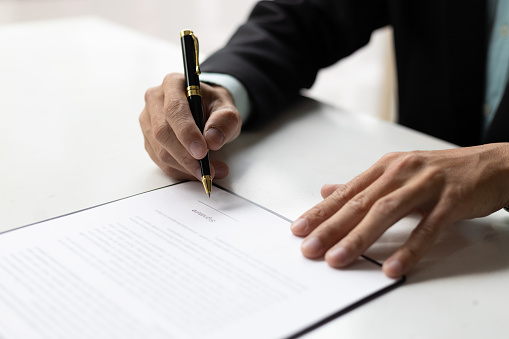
[{"x": 190, "y": 50}]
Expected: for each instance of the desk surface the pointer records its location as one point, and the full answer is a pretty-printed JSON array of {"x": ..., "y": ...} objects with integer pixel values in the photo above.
[{"x": 72, "y": 91}]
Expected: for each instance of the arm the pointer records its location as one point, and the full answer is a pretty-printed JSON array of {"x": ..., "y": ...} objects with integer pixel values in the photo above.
[
  {"x": 275, "y": 54},
  {"x": 284, "y": 44}
]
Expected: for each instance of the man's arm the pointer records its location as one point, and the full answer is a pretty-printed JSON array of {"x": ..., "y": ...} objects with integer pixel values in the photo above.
[
  {"x": 284, "y": 44},
  {"x": 275, "y": 54}
]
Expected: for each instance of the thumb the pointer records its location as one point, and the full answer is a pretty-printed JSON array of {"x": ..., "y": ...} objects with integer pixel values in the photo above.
[
  {"x": 224, "y": 122},
  {"x": 223, "y": 126}
]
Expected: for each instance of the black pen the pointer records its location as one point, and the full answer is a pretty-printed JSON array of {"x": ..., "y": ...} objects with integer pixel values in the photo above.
[{"x": 190, "y": 51}]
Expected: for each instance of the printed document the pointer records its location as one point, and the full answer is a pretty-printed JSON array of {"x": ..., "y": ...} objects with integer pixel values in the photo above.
[{"x": 171, "y": 263}]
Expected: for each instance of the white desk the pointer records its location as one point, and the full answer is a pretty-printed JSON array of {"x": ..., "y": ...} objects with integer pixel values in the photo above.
[{"x": 71, "y": 92}]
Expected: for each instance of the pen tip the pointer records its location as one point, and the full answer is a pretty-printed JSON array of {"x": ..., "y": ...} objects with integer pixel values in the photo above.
[{"x": 207, "y": 184}]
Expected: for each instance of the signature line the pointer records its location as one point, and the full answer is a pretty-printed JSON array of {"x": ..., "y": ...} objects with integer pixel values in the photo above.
[{"x": 215, "y": 209}]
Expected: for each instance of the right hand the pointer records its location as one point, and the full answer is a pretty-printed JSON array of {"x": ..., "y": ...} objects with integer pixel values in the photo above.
[{"x": 172, "y": 138}]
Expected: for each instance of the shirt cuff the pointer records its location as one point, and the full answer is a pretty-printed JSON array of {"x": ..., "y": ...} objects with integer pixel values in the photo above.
[{"x": 234, "y": 86}]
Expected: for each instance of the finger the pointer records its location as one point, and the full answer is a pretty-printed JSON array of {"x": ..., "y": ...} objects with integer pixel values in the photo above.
[
  {"x": 384, "y": 213},
  {"x": 338, "y": 225},
  {"x": 172, "y": 152},
  {"x": 144, "y": 120},
  {"x": 221, "y": 170},
  {"x": 170, "y": 166},
  {"x": 153, "y": 98},
  {"x": 218, "y": 169},
  {"x": 165, "y": 146},
  {"x": 328, "y": 189},
  {"x": 307, "y": 222},
  {"x": 419, "y": 242},
  {"x": 169, "y": 170},
  {"x": 224, "y": 123},
  {"x": 178, "y": 116},
  {"x": 223, "y": 126}
]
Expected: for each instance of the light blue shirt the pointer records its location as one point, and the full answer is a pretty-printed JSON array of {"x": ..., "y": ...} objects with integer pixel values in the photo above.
[{"x": 497, "y": 66}]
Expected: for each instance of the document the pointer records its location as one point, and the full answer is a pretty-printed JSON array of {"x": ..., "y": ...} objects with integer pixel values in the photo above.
[{"x": 171, "y": 263}]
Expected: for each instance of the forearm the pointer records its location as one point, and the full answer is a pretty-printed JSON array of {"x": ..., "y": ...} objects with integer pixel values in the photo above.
[{"x": 284, "y": 44}]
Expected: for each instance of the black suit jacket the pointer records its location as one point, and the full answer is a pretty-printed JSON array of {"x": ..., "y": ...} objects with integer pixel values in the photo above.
[{"x": 440, "y": 49}]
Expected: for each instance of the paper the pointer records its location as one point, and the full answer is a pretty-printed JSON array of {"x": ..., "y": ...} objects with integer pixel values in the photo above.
[{"x": 170, "y": 263}]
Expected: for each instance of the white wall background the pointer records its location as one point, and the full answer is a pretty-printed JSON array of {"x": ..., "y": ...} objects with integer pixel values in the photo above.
[{"x": 364, "y": 82}]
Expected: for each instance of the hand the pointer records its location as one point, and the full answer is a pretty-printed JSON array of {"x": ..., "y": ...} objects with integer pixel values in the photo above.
[
  {"x": 442, "y": 186},
  {"x": 172, "y": 138}
]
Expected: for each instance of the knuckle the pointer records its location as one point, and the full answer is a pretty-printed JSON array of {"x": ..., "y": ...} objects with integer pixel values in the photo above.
[
  {"x": 355, "y": 242},
  {"x": 148, "y": 148},
  {"x": 358, "y": 204},
  {"x": 404, "y": 163},
  {"x": 318, "y": 212},
  {"x": 175, "y": 106},
  {"x": 148, "y": 95},
  {"x": 443, "y": 214},
  {"x": 164, "y": 156},
  {"x": 230, "y": 116},
  {"x": 171, "y": 78},
  {"x": 425, "y": 233},
  {"x": 411, "y": 253},
  {"x": 341, "y": 195},
  {"x": 183, "y": 127},
  {"x": 187, "y": 161},
  {"x": 385, "y": 206},
  {"x": 390, "y": 156},
  {"x": 142, "y": 118},
  {"x": 227, "y": 120},
  {"x": 410, "y": 160},
  {"x": 161, "y": 133},
  {"x": 153, "y": 93}
]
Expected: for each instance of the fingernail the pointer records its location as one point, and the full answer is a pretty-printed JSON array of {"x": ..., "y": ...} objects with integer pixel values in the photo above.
[
  {"x": 215, "y": 136},
  {"x": 337, "y": 254},
  {"x": 311, "y": 246},
  {"x": 198, "y": 150},
  {"x": 300, "y": 225},
  {"x": 198, "y": 173},
  {"x": 394, "y": 268}
]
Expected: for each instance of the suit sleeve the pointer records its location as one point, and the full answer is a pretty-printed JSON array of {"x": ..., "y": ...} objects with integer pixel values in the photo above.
[{"x": 284, "y": 44}]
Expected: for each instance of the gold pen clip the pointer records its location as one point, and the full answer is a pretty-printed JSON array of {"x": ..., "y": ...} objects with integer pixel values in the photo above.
[{"x": 196, "y": 47}]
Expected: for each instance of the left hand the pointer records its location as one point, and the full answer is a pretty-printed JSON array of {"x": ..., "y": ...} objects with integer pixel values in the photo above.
[{"x": 442, "y": 186}]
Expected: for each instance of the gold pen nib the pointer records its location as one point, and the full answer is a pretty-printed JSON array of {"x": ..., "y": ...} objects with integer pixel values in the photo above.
[{"x": 207, "y": 183}]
